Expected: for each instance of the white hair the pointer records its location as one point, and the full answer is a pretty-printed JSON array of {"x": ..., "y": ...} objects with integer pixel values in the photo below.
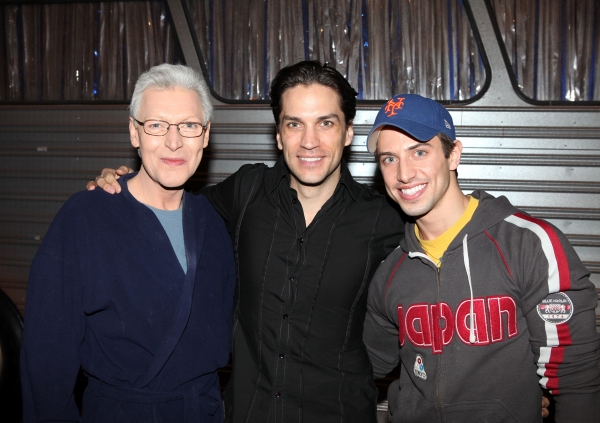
[{"x": 166, "y": 77}]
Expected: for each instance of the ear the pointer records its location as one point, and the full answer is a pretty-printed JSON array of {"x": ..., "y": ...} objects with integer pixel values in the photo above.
[
  {"x": 133, "y": 133},
  {"x": 455, "y": 155},
  {"x": 278, "y": 138},
  {"x": 349, "y": 134},
  {"x": 206, "y": 135}
]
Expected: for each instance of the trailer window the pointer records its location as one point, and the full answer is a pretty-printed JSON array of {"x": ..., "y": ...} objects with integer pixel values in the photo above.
[
  {"x": 382, "y": 47},
  {"x": 81, "y": 52},
  {"x": 552, "y": 48}
]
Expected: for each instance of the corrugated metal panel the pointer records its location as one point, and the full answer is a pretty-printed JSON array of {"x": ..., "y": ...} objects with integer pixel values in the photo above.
[{"x": 550, "y": 169}]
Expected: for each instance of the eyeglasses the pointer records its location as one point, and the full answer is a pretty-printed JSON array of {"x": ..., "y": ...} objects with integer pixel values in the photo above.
[{"x": 159, "y": 128}]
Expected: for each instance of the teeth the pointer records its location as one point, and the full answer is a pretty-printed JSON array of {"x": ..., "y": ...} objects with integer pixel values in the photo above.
[
  {"x": 310, "y": 159},
  {"x": 413, "y": 190}
]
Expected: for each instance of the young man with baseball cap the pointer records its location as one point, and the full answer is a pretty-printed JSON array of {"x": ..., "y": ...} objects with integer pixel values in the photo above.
[{"x": 481, "y": 302}]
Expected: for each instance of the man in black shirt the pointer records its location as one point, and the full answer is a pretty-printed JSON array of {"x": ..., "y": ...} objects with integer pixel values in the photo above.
[{"x": 307, "y": 241}]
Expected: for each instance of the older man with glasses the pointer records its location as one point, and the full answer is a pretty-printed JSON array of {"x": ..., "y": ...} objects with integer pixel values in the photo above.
[{"x": 137, "y": 289}]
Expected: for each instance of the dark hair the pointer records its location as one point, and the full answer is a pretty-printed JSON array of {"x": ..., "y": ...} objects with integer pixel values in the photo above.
[
  {"x": 447, "y": 144},
  {"x": 310, "y": 72}
]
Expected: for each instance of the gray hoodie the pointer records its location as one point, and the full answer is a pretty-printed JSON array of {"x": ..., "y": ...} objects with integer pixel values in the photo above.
[{"x": 520, "y": 282}]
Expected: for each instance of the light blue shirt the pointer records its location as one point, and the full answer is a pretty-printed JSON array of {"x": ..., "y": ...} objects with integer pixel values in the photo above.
[{"x": 172, "y": 222}]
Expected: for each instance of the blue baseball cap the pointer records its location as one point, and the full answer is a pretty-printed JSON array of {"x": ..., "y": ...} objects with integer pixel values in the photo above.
[{"x": 420, "y": 117}]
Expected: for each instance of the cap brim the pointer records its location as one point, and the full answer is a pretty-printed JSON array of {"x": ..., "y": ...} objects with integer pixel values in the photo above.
[{"x": 373, "y": 137}]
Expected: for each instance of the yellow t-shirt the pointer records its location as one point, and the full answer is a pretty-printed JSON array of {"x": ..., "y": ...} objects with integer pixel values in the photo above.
[{"x": 435, "y": 248}]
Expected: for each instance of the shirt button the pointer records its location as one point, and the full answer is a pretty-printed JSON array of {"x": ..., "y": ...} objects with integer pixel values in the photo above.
[
  {"x": 294, "y": 201},
  {"x": 277, "y": 394},
  {"x": 285, "y": 316},
  {"x": 300, "y": 240},
  {"x": 281, "y": 356},
  {"x": 292, "y": 278}
]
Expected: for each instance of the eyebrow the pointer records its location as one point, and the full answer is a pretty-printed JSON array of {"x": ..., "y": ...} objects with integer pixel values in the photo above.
[
  {"x": 411, "y": 148},
  {"x": 418, "y": 145},
  {"x": 320, "y": 118},
  {"x": 193, "y": 119},
  {"x": 331, "y": 116}
]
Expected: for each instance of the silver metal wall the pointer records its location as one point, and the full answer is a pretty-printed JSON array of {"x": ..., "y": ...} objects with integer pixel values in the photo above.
[{"x": 545, "y": 159}]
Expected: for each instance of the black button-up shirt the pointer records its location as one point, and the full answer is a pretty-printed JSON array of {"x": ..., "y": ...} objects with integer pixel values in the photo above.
[{"x": 298, "y": 352}]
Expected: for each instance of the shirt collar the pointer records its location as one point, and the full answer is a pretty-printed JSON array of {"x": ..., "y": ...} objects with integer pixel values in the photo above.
[{"x": 280, "y": 172}]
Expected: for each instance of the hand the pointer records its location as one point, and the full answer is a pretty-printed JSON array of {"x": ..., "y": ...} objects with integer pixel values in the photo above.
[
  {"x": 545, "y": 405},
  {"x": 108, "y": 179}
]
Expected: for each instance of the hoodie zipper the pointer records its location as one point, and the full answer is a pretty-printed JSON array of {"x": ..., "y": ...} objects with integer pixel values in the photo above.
[
  {"x": 471, "y": 323},
  {"x": 439, "y": 367}
]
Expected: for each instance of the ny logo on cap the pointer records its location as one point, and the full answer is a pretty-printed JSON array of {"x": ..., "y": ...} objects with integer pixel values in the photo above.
[{"x": 392, "y": 106}]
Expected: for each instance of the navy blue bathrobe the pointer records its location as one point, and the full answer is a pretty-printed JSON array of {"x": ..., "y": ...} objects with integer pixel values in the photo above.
[{"x": 107, "y": 294}]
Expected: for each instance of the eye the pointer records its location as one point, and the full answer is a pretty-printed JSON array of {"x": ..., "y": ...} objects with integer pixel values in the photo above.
[
  {"x": 293, "y": 125},
  {"x": 387, "y": 159},
  {"x": 189, "y": 125},
  {"x": 327, "y": 123},
  {"x": 420, "y": 153},
  {"x": 154, "y": 125}
]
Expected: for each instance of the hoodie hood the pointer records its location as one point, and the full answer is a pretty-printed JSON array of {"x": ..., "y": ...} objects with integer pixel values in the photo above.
[{"x": 490, "y": 211}]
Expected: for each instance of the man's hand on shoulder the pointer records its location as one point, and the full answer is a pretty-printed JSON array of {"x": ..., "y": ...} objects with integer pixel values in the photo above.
[{"x": 107, "y": 180}]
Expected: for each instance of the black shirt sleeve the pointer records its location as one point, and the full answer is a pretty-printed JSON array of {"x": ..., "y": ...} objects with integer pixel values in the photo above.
[
  {"x": 222, "y": 197},
  {"x": 392, "y": 224},
  {"x": 227, "y": 195}
]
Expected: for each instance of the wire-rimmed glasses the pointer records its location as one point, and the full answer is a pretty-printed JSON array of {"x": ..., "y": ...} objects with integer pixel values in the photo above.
[{"x": 160, "y": 128}]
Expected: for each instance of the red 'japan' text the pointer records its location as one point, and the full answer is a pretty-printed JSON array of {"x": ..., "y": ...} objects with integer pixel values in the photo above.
[{"x": 434, "y": 325}]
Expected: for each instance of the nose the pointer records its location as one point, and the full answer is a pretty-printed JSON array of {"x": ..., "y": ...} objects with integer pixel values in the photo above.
[
  {"x": 405, "y": 171},
  {"x": 310, "y": 138},
  {"x": 173, "y": 140}
]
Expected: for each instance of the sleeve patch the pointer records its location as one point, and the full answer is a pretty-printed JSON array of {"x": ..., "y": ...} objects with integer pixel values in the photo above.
[{"x": 555, "y": 308}]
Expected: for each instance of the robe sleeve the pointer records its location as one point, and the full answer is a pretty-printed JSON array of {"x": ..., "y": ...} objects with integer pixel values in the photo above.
[{"x": 53, "y": 327}]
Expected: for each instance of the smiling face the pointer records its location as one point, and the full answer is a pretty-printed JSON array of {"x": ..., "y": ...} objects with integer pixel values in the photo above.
[
  {"x": 418, "y": 176},
  {"x": 312, "y": 135},
  {"x": 168, "y": 161}
]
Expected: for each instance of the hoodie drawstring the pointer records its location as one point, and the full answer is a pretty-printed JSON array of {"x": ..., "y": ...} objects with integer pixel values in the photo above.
[{"x": 468, "y": 268}]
